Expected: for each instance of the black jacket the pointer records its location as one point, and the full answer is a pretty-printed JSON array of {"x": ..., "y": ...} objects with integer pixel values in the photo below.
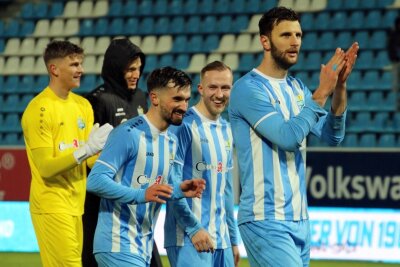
[{"x": 112, "y": 101}]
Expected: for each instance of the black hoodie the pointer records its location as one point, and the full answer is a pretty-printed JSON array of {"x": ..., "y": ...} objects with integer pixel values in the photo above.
[{"x": 112, "y": 101}]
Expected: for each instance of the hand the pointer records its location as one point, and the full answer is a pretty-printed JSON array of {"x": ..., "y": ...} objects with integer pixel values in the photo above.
[
  {"x": 193, "y": 187},
  {"x": 350, "y": 58},
  {"x": 236, "y": 255},
  {"x": 202, "y": 241},
  {"x": 97, "y": 138},
  {"x": 158, "y": 193},
  {"x": 330, "y": 72}
]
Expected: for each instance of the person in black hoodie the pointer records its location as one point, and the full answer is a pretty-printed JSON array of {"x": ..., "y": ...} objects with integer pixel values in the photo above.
[{"x": 115, "y": 101}]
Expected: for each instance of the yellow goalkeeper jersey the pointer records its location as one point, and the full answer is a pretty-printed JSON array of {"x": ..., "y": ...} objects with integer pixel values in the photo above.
[{"x": 62, "y": 125}]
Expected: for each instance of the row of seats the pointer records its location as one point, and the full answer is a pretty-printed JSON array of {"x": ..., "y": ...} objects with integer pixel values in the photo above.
[
  {"x": 367, "y": 140},
  {"x": 378, "y": 122}
]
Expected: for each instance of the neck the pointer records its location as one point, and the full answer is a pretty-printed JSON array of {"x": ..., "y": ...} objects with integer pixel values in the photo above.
[
  {"x": 204, "y": 111},
  {"x": 269, "y": 68},
  {"x": 59, "y": 90},
  {"x": 156, "y": 120}
]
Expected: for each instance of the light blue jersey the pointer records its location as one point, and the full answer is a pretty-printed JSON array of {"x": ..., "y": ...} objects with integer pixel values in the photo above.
[
  {"x": 270, "y": 120},
  {"x": 135, "y": 156},
  {"x": 204, "y": 151}
]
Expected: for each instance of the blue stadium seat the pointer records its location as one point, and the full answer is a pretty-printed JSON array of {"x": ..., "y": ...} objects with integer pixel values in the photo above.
[
  {"x": 307, "y": 21},
  {"x": 11, "y": 29},
  {"x": 116, "y": 8},
  {"x": 309, "y": 41},
  {"x": 375, "y": 101},
  {"x": 177, "y": 25},
  {"x": 40, "y": 11},
  {"x": 377, "y": 40},
  {"x": 350, "y": 140},
  {"x": 11, "y": 84},
  {"x": 27, "y": 28},
  {"x": 160, "y": 7},
  {"x": 26, "y": 84},
  {"x": 177, "y": 8},
  {"x": 10, "y": 139},
  {"x": 151, "y": 63},
  {"x": 367, "y": 140},
  {"x": 180, "y": 44},
  {"x": 209, "y": 24},
  {"x": 207, "y": 6},
  {"x": 344, "y": 39},
  {"x": 146, "y": 7},
  {"x": 211, "y": 42},
  {"x": 381, "y": 59},
  {"x": 334, "y": 5},
  {"x": 166, "y": 60},
  {"x": 327, "y": 41},
  {"x": 130, "y": 8},
  {"x": 193, "y": 24},
  {"x": 370, "y": 80},
  {"x": 11, "y": 103},
  {"x": 225, "y": 25},
  {"x": 246, "y": 62},
  {"x": 322, "y": 21},
  {"x": 86, "y": 27},
  {"x": 266, "y": 5},
  {"x": 146, "y": 26},
  {"x": 88, "y": 83},
  {"x": 195, "y": 44},
  {"x": 313, "y": 60},
  {"x": 354, "y": 4},
  {"x": 380, "y": 121},
  {"x": 362, "y": 37},
  {"x": 41, "y": 82},
  {"x": 101, "y": 27},
  {"x": 182, "y": 61},
  {"x": 387, "y": 140},
  {"x": 253, "y": 6},
  {"x": 339, "y": 20},
  {"x": 131, "y": 26},
  {"x": 303, "y": 76},
  {"x": 116, "y": 27},
  {"x": 385, "y": 81},
  {"x": 368, "y": 4},
  {"x": 56, "y": 9},
  {"x": 373, "y": 19},
  {"x": 357, "y": 100},
  {"x": 235, "y": 6},
  {"x": 162, "y": 25},
  {"x": 27, "y": 10},
  {"x": 195, "y": 81},
  {"x": 240, "y": 23},
  {"x": 389, "y": 18},
  {"x": 225, "y": 7},
  {"x": 2, "y": 45},
  {"x": 361, "y": 122},
  {"x": 356, "y": 20},
  {"x": 365, "y": 60},
  {"x": 23, "y": 103}
]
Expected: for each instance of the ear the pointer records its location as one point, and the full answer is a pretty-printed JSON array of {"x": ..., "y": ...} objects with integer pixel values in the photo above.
[
  {"x": 154, "y": 98},
  {"x": 265, "y": 42},
  {"x": 53, "y": 70},
  {"x": 200, "y": 89}
]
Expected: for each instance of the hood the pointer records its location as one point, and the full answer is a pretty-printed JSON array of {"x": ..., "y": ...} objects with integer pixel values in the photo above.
[{"x": 118, "y": 55}]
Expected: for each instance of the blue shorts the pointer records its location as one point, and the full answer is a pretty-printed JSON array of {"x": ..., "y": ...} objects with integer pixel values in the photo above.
[
  {"x": 188, "y": 256},
  {"x": 277, "y": 243},
  {"x": 119, "y": 259}
]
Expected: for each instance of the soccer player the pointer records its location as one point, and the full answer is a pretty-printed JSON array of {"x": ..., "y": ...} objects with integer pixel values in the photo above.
[
  {"x": 195, "y": 226},
  {"x": 115, "y": 101},
  {"x": 271, "y": 115},
  {"x": 132, "y": 174},
  {"x": 56, "y": 126}
]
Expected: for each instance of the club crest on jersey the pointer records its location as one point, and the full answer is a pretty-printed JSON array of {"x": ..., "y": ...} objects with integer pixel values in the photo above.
[
  {"x": 300, "y": 101},
  {"x": 81, "y": 123}
]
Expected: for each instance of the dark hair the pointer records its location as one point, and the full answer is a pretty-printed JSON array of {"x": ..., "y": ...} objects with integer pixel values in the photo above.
[
  {"x": 60, "y": 49},
  {"x": 273, "y": 17},
  {"x": 167, "y": 77},
  {"x": 215, "y": 65}
]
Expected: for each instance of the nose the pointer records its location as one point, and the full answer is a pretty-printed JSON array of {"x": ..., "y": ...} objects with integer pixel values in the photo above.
[{"x": 218, "y": 92}]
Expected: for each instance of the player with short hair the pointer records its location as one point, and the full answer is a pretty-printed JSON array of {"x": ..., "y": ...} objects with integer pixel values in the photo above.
[
  {"x": 195, "y": 226},
  {"x": 271, "y": 114},
  {"x": 57, "y": 126},
  {"x": 132, "y": 174}
]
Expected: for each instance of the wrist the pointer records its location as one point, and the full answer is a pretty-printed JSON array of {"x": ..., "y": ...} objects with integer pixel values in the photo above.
[{"x": 80, "y": 154}]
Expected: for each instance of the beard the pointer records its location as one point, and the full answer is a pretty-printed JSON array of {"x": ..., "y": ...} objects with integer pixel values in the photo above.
[
  {"x": 279, "y": 58},
  {"x": 170, "y": 118}
]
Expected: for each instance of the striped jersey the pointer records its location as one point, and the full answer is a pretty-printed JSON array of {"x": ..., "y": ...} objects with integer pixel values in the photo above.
[
  {"x": 270, "y": 120},
  {"x": 136, "y": 156},
  {"x": 204, "y": 151}
]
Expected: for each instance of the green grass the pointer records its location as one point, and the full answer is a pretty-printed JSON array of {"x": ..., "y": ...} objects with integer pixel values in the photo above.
[{"x": 33, "y": 260}]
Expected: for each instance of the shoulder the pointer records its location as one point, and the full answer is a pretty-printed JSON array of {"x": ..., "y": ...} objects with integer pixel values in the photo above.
[{"x": 80, "y": 100}]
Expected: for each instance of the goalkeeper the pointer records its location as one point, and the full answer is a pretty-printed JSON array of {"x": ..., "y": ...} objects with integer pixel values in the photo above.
[{"x": 60, "y": 142}]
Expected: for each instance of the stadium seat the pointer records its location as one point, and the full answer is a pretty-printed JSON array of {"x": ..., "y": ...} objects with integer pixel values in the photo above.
[
  {"x": 27, "y": 10},
  {"x": 197, "y": 62},
  {"x": 367, "y": 140},
  {"x": 89, "y": 64},
  {"x": 88, "y": 83},
  {"x": 11, "y": 28},
  {"x": 179, "y": 45},
  {"x": 26, "y": 84},
  {"x": 227, "y": 43},
  {"x": 213, "y": 57},
  {"x": 145, "y": 8},
  {"x": 166, "y": 60},
  {"x": 387, "y": 140},
  {"x": 40, "y": 67},
  {"x": 56, "y": 9},
  {"x": 100, "y": 8},
  {"x": 160, "y": 7},
  {"x": 193, "y": 25},
  {"x": 377, "y": 40},
  {"x": 85, "y": 9},
  {"x": 12, "y": 122},
  {"x": 307, "y": 21},
  {"x": 309, "y": 41},
  {"x": 350, "y": 139},
  {"x": 232, "y": 60},
  {"x": 12, "y": 47},
  {"x": 253, "y": 24},
  {"x": 27, "y": 46},
  {"x": 357, "y": 100},
  {"x": 11, "y": 84},
  {"x": 116, "y": 27},
  {"x": 247, "y": 62},
  {"x": 182, "y": 61},
  {"x": 146, "y": 26},
  {"x": 243, "y": 42},
  {"x": 41, "y": 83},
  {"x": 131, "y": 26},
  {"x": 370, "y": 80},
  {"x": 372, "y": 19},
  {"x": 177, "y": 7},
  {"x": 101, "y": 45},
  {"x": 1, "y": 65},
  {"x": 327, "y": 41},
  {"x": 137, "y": 40},
  {"x": 27, "y": 65},
  {"x": 388, "y": 18},
  {"x": 365, "y": 60},
  {"x": 100, "y": 27},
  {"x": 70, "y": 9},
  {"x": 162, "y": 25},
  {"x": 151, "y": 63},
  {"x": 164, "y": 44},
  {"x": 339, "y": 20},
  {"x": 27, "y": 28},
  {"x": 322, "y": 21},
  {"x": 56, "y": 28},
  {"x": 178, "y": 25},
  {"x": 2, "y": 45},
  {"x": 226, "y": 24},
  {"x": 11, "y": 66},
  {"x": 116, "y": 8},
  {"x": 130, "y": 8},
  {"x": 240, "y": 23},
  {"x": 88, "y": 44},
  {"x": 211, "y": 42},
  {"x": 41, "y": 44},
  {"x": 385, "y": 81},
  {"x": 356, "y": 20},
  {"x": 375, "y": 101},
  {"x": 313, "y": 61},
  {"x": 208, "y": 24},
  {"x": 40, "y": 10},
  {"x": 149, "y": 44},
  {"x": 23, "y": 103},
  {"x": 334, "y": 5},
  {"x": 11, "y": 103}
]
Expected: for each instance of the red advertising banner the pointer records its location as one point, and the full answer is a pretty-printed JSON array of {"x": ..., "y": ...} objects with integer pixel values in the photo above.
[{"x": 15, "y": 175}]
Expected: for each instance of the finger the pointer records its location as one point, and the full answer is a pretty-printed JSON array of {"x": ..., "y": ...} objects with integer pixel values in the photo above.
[
  {"x": 162, "y": 194},
  {"x": 157, "y": 200}
]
